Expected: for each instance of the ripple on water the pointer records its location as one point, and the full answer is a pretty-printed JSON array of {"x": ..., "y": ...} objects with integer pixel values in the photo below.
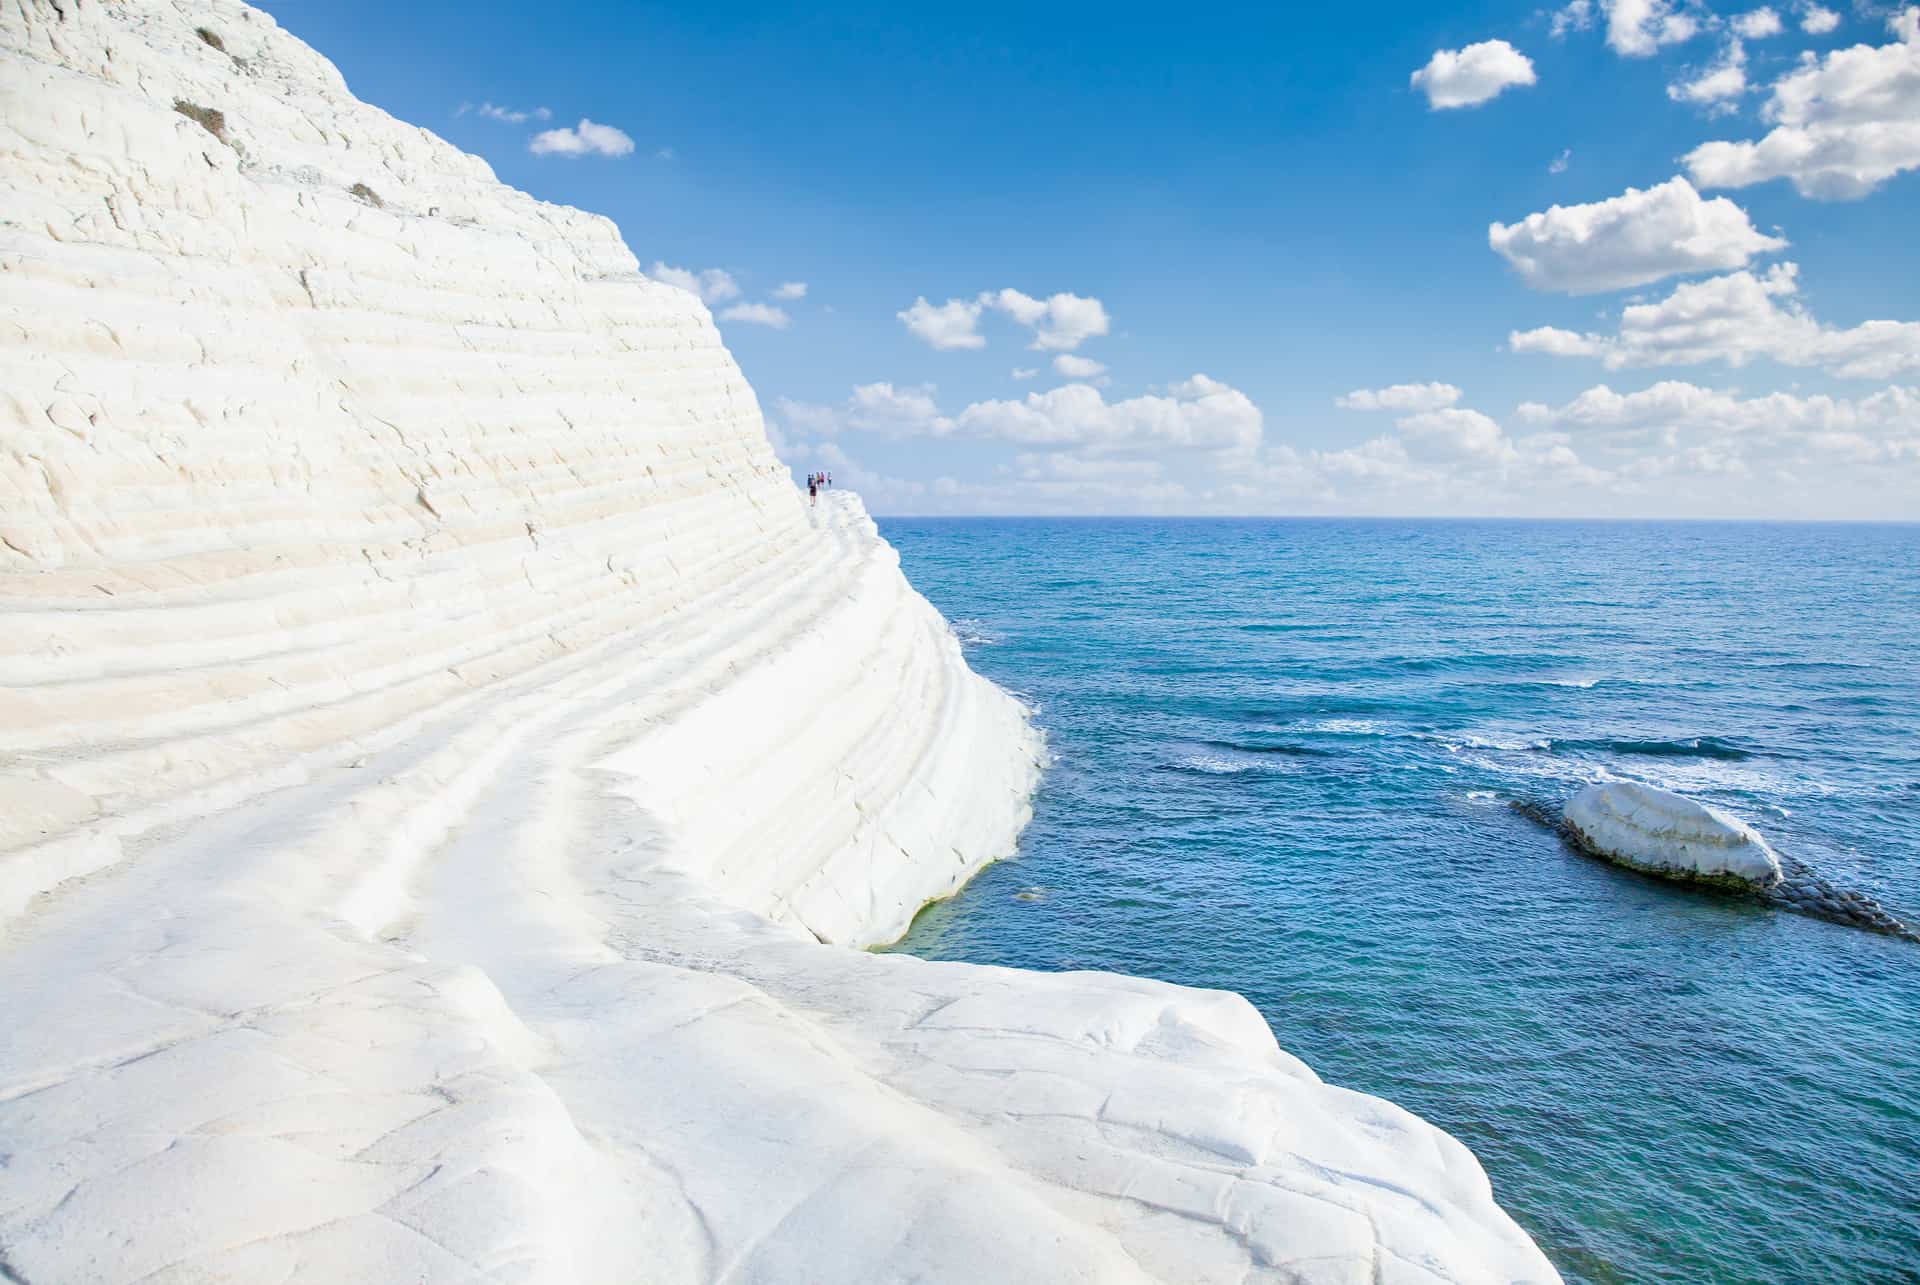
[{"x": 1284, "y": 751}]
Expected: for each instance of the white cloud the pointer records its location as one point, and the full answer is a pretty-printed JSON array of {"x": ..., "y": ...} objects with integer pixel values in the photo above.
[
  {"x": 1817, "y": 20},
  {"x": 1077, "y": 367},
  {"x": 1471, "y": 76},
  {"x": 1637, "y": 28},
  {"x": 1672, "y": 414},
  {"x": 1843, "y": 124},
  {"x": 1717, "y": 87},
  {"x": 493, "y": 111},
  {"x": 714, "y": 285},
  {"x": 902, "y": 411},
  {"x": 1629, "y": 240},
  {"x": 1734, "y": 319},
  {"x": 1459, "y": 432},
  {"x": 1025, "y": 372},
  {"x": 1034, "y": 482},
  {"x": 1197, "y": 414},
  {"x": 1060, "y": 322},
  {"x": 1555, "y": 342},
  {"x": 584, "y": 139},
  {"x": 790, "y": 290},
  {"x": 1382, "y": 458},
  {"x": 1451, "y": 455},
  {"x": 953, "y": 324},
  {"x": 758, "y": 314},
  {"x": 1674, "y": 448},
  {"x": 1576, "y": 16},
  {"x": 1756, "y": 24},
  {"x": 1194, "y": 414},
  {"x": 1558, "y": 165},
  {"x": 1036, "y": 465},
  {"x": 1400, "y": 397}
]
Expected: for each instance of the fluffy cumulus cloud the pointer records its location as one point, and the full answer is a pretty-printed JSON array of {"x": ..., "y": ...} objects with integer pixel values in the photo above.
[
  {"x": 1718, "y": 87},
  {"x": 1076, "y": 367},
  {"x": 758, "y": 314},
  {"x": 1629, "y": 240},
  {"x": 1818, "y": 20},
  {"x": 1197, "y": 414},
  {"x": 1060, "y": 322},
  {"x": 1193, "y": 414},
  {"x": 1637, "y": 28},
  {"x": 1471, "y": 76},
  {"x": 1400, "y": 397},
  {"x": 714, "y": 285},
  {"x": 585, "y": 139},
  {"x": 1842, "y": 124},
  {"x": 1735, "y": 319},
  {"x": 1675, "y": 415},
  {"x": 1437, "y": 444},
  {"x": 1756, "y": 24},
  {"x": 790, "y": 290},
  {"x": 948, "y": 326},
  {"x": 1673, "y": 446},
  {"x": 1444, "y": 455},
  {"x": 1458, "y": 431}
]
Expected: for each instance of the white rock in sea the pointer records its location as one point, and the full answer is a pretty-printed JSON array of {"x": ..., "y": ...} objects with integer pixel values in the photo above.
[
  {"x": 1670, "y": 834},
  {"x": 435, "y": 740}
]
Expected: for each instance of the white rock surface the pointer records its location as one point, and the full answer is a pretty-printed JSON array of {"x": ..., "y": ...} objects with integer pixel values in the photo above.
[
  {"x": 434, "y": 734},
  {"x": 1667, "y": 833}
]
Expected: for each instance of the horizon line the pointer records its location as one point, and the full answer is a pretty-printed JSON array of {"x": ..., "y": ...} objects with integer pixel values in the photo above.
[{"x": 1381, "y": 517}]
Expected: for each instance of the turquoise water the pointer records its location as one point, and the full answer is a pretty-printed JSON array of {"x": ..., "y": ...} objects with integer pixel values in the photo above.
[{"x": 1284, "y": 750}]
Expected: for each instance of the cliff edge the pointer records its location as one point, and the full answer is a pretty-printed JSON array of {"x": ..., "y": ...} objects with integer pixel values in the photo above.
[{"x": 435, "y": 741}]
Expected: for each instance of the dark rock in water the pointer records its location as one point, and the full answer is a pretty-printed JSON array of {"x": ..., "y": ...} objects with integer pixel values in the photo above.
[
  {"x": 1539, "y": 811},
  {"x": 1805, "y": 893}
]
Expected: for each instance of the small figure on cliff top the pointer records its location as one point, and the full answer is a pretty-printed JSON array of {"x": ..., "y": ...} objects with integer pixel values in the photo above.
[{"x": 813, "y": 489}]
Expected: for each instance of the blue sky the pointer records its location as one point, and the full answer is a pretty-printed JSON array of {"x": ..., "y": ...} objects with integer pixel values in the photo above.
[{"x": 1296, "y": 241}]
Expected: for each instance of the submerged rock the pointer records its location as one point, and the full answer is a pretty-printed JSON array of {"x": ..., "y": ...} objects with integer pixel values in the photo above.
[{"x": 1669, "y": 834}]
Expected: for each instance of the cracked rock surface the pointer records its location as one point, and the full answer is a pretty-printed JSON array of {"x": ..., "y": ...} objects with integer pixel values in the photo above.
[{"x": 446, "y": 774}]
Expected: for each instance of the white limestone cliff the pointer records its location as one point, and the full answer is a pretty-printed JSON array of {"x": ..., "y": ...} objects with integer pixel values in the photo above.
[
  {"x": 1669, "y": 834},
  {"x": 435, "y": 740}
]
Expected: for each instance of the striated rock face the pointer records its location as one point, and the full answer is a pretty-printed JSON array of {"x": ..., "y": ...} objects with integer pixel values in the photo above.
[
  {"x": 434, "y": 739},
  {"x": 286, "y": 470},
  {"x": 1666, "y": 833}
]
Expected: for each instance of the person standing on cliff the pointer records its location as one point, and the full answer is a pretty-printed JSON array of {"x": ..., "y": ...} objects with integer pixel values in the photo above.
[{"x": 813, "y": 489}]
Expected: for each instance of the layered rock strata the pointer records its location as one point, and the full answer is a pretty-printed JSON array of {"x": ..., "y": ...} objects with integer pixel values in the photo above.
[{"x": 435, "y": 741}]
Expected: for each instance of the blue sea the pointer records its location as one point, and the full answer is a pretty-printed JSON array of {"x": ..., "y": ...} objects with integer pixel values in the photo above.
[{"x": 1284, "y": 754}]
